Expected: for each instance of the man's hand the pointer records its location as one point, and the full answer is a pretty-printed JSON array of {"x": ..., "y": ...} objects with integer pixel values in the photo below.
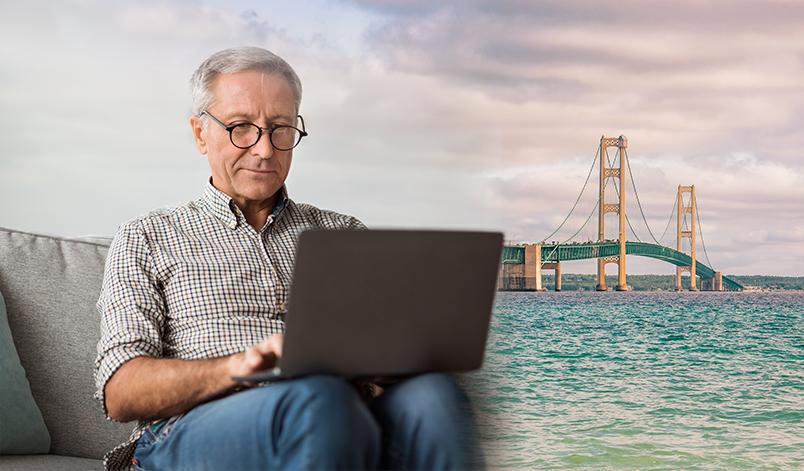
[{"x": 261, "y": 356}]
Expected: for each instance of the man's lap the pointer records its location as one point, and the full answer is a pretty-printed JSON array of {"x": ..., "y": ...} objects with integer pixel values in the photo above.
[{"x": 279, "y": 426}]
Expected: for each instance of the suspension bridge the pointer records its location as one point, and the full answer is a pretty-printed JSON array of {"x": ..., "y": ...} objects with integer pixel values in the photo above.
[{"x": 522, "y": 264}]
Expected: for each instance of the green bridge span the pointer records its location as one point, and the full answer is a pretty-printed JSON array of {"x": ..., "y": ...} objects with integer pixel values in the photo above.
[{"x": 567, "y": 252}]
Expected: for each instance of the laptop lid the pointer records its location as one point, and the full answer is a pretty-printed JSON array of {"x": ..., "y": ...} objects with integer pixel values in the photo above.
[{"x": 390, "y": 302}]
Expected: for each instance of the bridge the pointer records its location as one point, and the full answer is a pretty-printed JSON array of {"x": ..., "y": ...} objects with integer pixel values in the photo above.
[{"x": 522, "y": 264}]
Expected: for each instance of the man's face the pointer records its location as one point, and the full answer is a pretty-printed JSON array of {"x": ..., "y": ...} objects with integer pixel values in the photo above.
[{"x": 253, "y": 175}]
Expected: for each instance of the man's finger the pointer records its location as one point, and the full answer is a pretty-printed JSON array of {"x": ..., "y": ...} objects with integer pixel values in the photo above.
[
  {"x": 271, "y": 344},
  {"x": 253, "y": 357},
  {"x": 264, "y": 347},
  {"x": 278, "y": 341}
]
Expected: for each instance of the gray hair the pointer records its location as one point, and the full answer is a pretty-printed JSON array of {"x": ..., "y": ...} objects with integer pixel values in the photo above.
[{"x": 239, "y": 59}]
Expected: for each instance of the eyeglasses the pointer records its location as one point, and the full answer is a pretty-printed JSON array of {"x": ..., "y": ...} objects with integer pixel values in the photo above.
[{"x": 245, "y": 135}]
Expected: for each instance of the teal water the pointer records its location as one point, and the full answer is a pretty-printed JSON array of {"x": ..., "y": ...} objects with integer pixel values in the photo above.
[{"x": 643, "y": 381}]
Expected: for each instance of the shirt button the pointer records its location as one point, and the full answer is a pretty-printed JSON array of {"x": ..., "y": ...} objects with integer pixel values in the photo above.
[
  {"x": 232, "y": 224},
  {"x": 282, "y": 307}
]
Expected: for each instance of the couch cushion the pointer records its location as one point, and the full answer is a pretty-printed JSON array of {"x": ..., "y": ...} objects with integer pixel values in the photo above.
[
  {"x": 51, "y": 285},
  {"x": 23, "y": 429},
  {"x": 48, "y": 463}
]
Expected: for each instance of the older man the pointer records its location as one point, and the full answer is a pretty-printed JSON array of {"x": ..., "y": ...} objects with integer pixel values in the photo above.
[{"x": 196, "y": 294}]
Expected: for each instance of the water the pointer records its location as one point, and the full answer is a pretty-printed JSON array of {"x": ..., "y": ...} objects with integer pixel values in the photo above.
[{"x": 643, "y": 381}]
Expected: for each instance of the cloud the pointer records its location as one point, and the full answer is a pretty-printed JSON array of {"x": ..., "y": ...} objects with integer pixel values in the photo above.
[
  {"x": 443, "y": 114},
  {"x": 697, "y": 72}
]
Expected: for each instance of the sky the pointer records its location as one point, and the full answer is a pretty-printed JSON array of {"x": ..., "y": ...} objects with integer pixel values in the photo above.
[{"x": 462, "y": 114}]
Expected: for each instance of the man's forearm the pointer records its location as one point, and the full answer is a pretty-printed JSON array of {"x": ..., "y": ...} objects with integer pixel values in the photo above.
[{"x": 146, "y": 388}]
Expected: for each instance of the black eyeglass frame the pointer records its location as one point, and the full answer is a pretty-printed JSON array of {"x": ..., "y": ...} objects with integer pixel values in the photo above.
[{"x": 269, "y": 130}]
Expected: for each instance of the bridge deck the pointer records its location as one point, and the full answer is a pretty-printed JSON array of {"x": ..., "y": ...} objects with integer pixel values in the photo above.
[{"x": 567, "y": 252}]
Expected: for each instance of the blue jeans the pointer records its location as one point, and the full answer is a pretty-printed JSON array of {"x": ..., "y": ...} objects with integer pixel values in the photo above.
[{"x": 320, "y": 422}]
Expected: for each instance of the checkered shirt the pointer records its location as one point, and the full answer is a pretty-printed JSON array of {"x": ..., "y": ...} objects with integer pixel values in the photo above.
[{"x": 197, "y": 281}]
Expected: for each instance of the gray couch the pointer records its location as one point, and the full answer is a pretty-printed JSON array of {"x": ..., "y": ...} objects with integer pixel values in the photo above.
[{"x": 50, "y": 285}]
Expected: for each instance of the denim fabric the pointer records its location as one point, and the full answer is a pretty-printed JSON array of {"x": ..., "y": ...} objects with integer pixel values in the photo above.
[
  {"x": 319, "y": 422},
  {"x": 427, "y": 423}
]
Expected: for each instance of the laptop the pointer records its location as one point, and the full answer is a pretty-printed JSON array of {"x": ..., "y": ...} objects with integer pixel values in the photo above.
[{"x": 388, "y": 303}]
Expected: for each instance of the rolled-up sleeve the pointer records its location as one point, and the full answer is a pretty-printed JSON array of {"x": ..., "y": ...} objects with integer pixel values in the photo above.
[
  {"x": 356, "y": 224},
  {"x": 131, "y": 306}
]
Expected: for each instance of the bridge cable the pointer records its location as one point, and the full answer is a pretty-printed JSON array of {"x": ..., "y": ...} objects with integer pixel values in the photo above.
[
  {"x": 597, "y": 203},
  {"x": 597, "y": 152},
  {"x": 617, "y": 191},
  {"x": 545, "y": 259},
  {"x": 584, "y": 224},
  {"x": 670, "y": 219},
  {"x": 700, "y": 232},
  {"x": 633, "y": 183},
  {"x": 588, "y": 218}
]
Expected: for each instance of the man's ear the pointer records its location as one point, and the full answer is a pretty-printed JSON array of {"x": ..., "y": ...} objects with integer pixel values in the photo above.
[{"x": 198, "y": 134}]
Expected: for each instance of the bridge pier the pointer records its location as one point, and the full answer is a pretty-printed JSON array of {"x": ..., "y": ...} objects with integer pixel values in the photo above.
[
  {"x": 601, "y": 272},
  {"x": 601, "y": 275},
  {"x": 713, "y": 284},
  {"x": 557, "y": 267},
  {"x": 693, "y": 278},
  {"x": 533, "y": 267},
  {"x": 558, "y": 276}
]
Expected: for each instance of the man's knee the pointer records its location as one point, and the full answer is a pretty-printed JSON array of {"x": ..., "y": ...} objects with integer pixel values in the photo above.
[
  {"x": 325, "y": 388},
  {"x": 324, "y": 396},
  {"x": 430, "y": 395},
  {"x": 327, "y": 414}
]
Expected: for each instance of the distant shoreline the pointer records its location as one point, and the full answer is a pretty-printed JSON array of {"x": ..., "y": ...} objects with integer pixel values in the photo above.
[{"x": 753, "y": 283}]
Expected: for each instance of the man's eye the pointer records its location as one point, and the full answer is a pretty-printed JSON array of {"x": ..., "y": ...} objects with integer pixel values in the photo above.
[{"x": 243, "y": 129}]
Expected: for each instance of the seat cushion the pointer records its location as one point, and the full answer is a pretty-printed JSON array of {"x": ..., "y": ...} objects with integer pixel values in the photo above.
[
  {"x": 51, "y": 285},
  {"x": 49, "y": 463},
  {"x": 23, "y": 429}
]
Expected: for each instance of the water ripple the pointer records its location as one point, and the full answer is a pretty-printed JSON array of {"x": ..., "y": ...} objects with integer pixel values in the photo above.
[{"x": 643, "y": 381}]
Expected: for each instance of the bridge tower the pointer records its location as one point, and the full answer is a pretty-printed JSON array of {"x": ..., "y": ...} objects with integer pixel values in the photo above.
[
  {"x": 681, "y": 234},
  {"x": 607, "y": 172}
]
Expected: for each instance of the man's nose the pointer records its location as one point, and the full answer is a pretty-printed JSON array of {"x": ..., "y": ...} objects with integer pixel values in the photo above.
[{"x": 263, "y": 148}]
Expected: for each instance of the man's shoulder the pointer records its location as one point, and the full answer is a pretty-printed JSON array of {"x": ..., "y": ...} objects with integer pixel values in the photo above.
[
  {"x": 324, "y": 218},
  {"x": 158, "y": 217}
]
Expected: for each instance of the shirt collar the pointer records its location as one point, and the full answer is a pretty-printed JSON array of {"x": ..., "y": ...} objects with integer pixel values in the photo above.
[{"x": 223, "y": 207}]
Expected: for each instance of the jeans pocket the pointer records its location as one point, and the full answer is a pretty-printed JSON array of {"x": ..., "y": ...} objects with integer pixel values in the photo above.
[
  {"x": 157, "y": 432},
  {"x": 146, "y": 439},
  {"x": 162, "y": 430}
]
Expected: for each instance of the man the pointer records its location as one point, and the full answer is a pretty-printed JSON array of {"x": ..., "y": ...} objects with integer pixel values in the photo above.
[{"x": 195, "y": 295}]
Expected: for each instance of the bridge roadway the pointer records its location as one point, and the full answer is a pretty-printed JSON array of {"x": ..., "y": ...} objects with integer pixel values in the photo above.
[{"x": 581, "y": 251}]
